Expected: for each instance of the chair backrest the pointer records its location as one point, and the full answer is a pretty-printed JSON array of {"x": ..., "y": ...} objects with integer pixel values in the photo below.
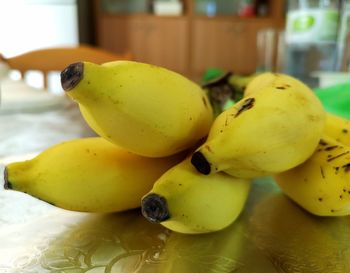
[{"x": 56, "y": 59}]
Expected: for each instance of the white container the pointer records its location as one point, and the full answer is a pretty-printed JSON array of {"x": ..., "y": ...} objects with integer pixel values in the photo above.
[
  {"x": 311, "y": 38},
  {"x": 169, "y": 8},
  {"x": 327, "y": 79}
]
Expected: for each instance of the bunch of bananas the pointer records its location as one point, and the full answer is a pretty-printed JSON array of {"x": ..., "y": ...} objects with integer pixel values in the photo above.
[{"x": 160, "y": 148}]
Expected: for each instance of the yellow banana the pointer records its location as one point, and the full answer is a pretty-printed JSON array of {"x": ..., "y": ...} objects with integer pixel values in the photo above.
[
  {"x": 321, "y": 185},
  {"x": 240, "y": 83},
  {"x": 186, "y": 201},
  {"x": 143, "y": 108},
  {"x": 273, "y": 130},
  {"x": 89, "y": 174},
  {"x": 259, "y": 82},
  {"x": 338, "y": 128}
]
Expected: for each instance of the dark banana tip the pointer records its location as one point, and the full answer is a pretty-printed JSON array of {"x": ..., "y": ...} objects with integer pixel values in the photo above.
[
  {"x": 154, "y": 208},
  {"x": 72, "y": 75},
  {"x": 200, "y": 163},
  {"x": 7, "y": 184}
]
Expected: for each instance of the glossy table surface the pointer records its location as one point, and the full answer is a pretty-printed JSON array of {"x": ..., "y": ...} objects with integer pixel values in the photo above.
[{"x": 271, "y": 235}]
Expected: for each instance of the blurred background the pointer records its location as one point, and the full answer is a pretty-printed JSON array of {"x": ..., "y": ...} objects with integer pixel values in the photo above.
[{"x": 197, "y": 38}]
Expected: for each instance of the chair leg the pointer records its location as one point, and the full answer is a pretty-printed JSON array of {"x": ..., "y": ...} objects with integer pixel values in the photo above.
[{"x": 45, "y": 78}]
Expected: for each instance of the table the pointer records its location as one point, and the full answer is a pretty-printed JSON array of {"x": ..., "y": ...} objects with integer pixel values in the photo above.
[
  {"x": 271, "y": 235},
  {"x": 32, "y": 119}
]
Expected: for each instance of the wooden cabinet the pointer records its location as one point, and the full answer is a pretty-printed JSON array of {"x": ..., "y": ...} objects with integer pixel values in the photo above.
[
  {"x": 189, "y": 43},
  {"x": 161, "y": 41},
  {"x": 226, "y": 44},
  {"x": 157, "y": 40}
]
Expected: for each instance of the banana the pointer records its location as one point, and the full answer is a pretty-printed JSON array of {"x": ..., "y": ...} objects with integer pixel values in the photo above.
[
  {"x": 240, "y": 83},
  {"x": 338, "y": 128},
  {"x": 186, "y": 201},
  {"x": 88, "y": 174},
  {"x": 143, "y": 108},
  {"x": 270, "y": 131},
  {"x": 321, "y": 185},
  {"x": 259, "y": 82}
]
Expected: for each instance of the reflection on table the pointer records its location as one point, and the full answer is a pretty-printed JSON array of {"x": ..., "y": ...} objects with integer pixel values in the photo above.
[
  {"x": 33, "y": 119},
  {"x": 271, "y": 235}
]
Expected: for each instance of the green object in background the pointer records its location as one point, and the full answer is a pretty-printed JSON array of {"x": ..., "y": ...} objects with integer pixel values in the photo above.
[
  {"x": 228, "y": 104},
  {"x": 336, "y": 99},
  {"x": 303, "y": 23},
  {"x": 212, "y": 73}
]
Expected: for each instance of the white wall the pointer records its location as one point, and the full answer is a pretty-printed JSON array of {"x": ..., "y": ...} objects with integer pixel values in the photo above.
[{"x": 32, "y": 24}]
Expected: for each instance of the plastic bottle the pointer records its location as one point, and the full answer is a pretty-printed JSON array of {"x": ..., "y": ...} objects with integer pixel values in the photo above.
[
  {"x": 311, "y": 38},
  {"x": 344, "y": 30}
]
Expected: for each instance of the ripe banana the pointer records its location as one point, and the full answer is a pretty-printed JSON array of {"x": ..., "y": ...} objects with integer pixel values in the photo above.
[
  {"x": 143, "y": 108},
  {"x": 338, "y": 128},
  {"x": 186, "y": 201},
  {"x": 88, "y": 174},
  {"x": 240, "y": 83},
  {"x": 259, "y": 82},
  {"x": 270, "y": 131},
  {"x": 321, "y": 185}
]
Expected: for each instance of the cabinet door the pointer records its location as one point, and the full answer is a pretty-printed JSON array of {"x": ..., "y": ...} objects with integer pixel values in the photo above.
[
  {"x": 113, "y": 33},
  {"x": 225, "y": 44},
  {"x": 156, "y": 40},
  {"x": 161, "y": 41}
]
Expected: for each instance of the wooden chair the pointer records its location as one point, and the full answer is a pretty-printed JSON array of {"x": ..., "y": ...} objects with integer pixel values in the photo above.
[{"x": 56, "y": 59}]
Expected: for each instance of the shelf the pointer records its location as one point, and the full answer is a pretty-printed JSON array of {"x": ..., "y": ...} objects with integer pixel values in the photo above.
[
  {"x": 234, "y": 18},
  {"x": 188, "y": 43},
  {"x": 144, "y": 15}
]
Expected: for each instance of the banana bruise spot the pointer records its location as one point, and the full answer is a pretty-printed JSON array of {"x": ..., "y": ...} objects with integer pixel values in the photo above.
[
  {"x": 322, "y": 172},
  {"x": 205, "y": 102},
  {"x": 336, "y": 169},
  {"x": 199, "y": 161},
  {"x": 323, "y": 143},
  {"x": 154, "y": 208},
  {"x": 346, "y": 167},
  {"x": 283, "y": 87},
  {"x": 247, "y": 104},
  {"x": 331, "y": 148},
  {"x": 7, "y": 183},
  {"x": 337, "y": 156},
  {"x": 72, "y": 75}
]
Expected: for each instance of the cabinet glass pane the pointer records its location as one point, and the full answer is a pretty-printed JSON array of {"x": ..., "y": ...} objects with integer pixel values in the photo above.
[
  {"x": 125, "y": 6},
  {"x": 217, "y": 7}
]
